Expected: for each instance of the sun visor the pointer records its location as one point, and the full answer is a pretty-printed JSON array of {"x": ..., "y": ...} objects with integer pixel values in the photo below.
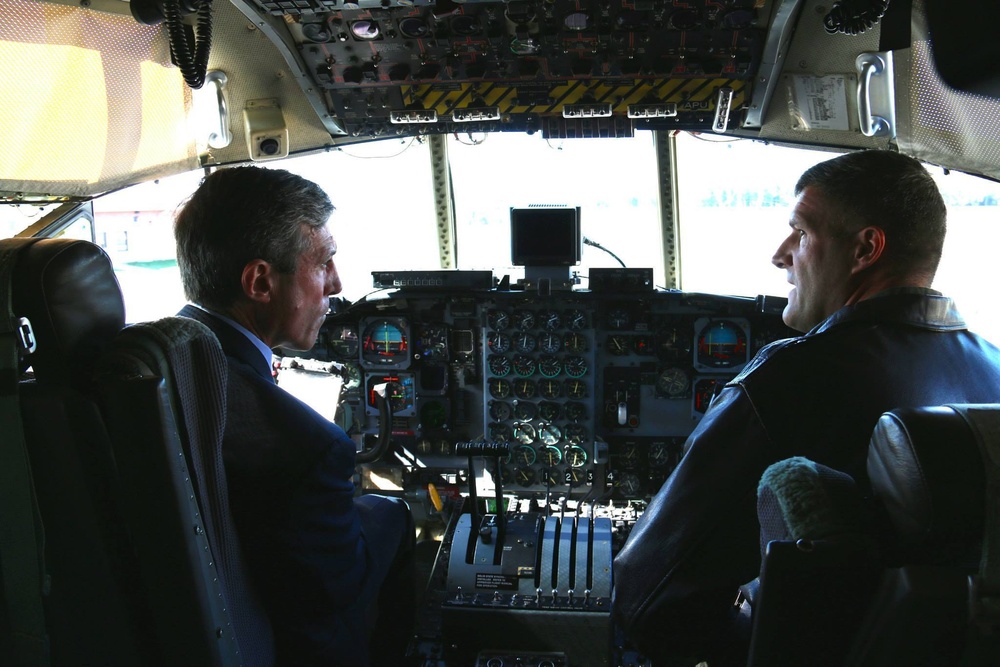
[{"x": 99, "y": 91}]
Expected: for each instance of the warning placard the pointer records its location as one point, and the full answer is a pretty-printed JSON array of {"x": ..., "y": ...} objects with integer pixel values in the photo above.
[{"x": 496, "y": 581}]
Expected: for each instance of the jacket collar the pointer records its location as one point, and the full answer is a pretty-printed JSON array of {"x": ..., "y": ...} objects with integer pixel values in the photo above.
[{"x": 915, "y": 306}]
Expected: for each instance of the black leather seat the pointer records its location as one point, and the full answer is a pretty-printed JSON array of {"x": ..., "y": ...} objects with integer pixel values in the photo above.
[
  {"x": 903, "y": 578},
  {"x": 938, "y": 602},
  {"x": 67, "y": 291},
  {"x": 140, "y": 561}
]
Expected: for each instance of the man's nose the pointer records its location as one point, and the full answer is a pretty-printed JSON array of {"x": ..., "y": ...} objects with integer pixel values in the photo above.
[
  {"x": 781, "y": 258},
  {"x": 334, "y": 285}
]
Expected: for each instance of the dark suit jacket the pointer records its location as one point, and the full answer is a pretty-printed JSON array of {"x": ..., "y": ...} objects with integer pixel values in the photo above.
[{"x": 291, "y": 493}]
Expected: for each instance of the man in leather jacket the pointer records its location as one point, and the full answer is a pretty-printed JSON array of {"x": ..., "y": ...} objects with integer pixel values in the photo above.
[{"x": 865, "y": 240}]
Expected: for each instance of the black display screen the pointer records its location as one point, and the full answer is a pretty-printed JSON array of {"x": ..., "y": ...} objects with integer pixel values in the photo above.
[{"x": 545, "y": 236}]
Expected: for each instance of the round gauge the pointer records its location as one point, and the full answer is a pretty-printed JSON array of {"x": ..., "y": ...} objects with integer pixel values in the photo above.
[
  {"x": 524, "y": 319},
  {"x": 659, "y": 454},
  {"x": 506, "y": 475},
  {"x": 576, "y": 456},
  {"x": 525, "y": 434},
  {"x": 550, "y": 434},
  {"x": 722, "y": 344},
  {"x": 672, "y": 381},
  {"x": 465, "y": 24},
  {"x": 551, "y": 320},
  {"x": 575, "y": 434},
  {"x": 524, "y": 388},
  {"x": 618, "y": 319},
  {"x": 550, "y": 455},
  {"x": 549, "y": 343},
  {"x": 399, "y": 398},
  {"x": 524, "y": 365},
  {"x": 576, "y": 320},
  {"x": 576, "y": 389},
  {"x": 316, "y": 32},
  {"x": 672, "y": 345},
  {"x": 629, "y": 455},
  {"x": 499, "y": 365},
  {"x": 576, "y": 411},
  {"x": 575, "y": 342},
  {"x": 524, "y": 476},
  {"x": 365, "y": 30},
  {"x": 498, "y": 342},
  {"x": 498, "y": 319},
  {"x": 499, "y": 410},
  {"x": 548, "y": 410},
  {"x": 499, "y": 433},
  {"x": 432, "y": 344},
  {"x": 384, "y": 342},
  {"x": 499, "y": 388},
  {"x": 524, "y": 455},
  {"x": 576, "y": 21},
  {"x": 629, "y": 485},
  {"x": 525, "y": 343},
  {"x": 549, "y": 366},
  {"x": 575, "y": 476},
  {"x": 549, "y": 388},
  {"x": 618, "y": 345},
  {"x": 576, "y": 367},
  {"x": 414, "y": 28},
  {"x": 525, "y": 411},
  {"x": 342, "y": 342},
  {"x": 552, "y": 477}
]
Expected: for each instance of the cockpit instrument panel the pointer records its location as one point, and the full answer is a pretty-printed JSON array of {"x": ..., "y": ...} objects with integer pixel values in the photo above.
[{"x": 595, "y": 392}]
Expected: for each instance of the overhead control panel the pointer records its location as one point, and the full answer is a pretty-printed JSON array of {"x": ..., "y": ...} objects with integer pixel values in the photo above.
[{"x": 565, "y": 68}]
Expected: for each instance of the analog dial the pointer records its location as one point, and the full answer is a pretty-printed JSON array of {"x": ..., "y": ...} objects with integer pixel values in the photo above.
[
  {"x": 499, "y": 365},
  {"x": 549, "y": 388},
  {"x": 550, "y": 455},
  {"x": 498, "y": 342},
  {"x": 525, "y": 410},
  {"x": 498, "y": 319},
  {"x": 549, "y": 343},
  {"x": 575, "y": 343},
  {"x": 499, "y": 388},
  {"x": 524, "y": 388},
  {"x": 500, "y": 411},
  {"x": 549, "y": 434},
  {"x": 549, "y": 410}
]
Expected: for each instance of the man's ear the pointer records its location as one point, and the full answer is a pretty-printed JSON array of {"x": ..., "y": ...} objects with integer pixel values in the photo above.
[
  {"x": 257, "y": 280},
  {"x": 868, "y": 248}
]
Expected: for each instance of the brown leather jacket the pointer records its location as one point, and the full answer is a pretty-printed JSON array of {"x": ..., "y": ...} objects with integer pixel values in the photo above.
[{"x": 818, "y": 395}]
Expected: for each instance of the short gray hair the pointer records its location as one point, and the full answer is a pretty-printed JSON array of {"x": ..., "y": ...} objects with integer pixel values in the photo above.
[{"x": 240, "y": 214}]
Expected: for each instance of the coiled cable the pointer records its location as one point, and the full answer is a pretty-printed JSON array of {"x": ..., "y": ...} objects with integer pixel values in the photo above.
[
  {"x": 191, "y": 59},
  {"x": 853, "y": 17}
]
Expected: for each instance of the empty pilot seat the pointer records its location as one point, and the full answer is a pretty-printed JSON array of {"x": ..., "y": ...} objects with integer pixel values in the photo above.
[
  {"x": 934, "y": 474},
  {"x": 67, "y": 307}
]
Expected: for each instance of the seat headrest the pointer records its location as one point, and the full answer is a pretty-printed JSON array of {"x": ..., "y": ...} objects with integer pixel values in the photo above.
[
  {"x": 927, "y": 474},
  {"x": 68, "y": 290}
]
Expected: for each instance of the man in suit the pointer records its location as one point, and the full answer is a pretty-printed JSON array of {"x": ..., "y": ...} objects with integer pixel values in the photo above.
[{"x": 335, "y": 571}]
